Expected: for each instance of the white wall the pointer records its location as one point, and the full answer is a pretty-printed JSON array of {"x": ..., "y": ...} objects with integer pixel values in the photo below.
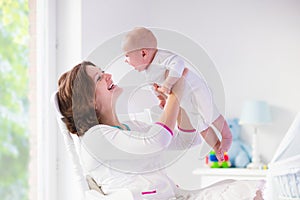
[{"x": 255, "y": 46}]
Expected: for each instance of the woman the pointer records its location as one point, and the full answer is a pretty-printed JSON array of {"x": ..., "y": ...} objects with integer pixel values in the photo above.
[{"x": 128, "y": 155}]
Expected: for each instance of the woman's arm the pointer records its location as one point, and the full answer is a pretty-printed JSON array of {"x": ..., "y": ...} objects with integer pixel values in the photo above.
[
  {"x": 171, "y": 109},
  {"x": 183, "y": 122},
  {"x": 187, "y": 135},
  {"x": 168, "y": 84}
]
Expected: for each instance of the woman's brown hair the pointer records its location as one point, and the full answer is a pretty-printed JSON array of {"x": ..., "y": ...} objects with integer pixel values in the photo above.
[{"x": 76, "y": 92}]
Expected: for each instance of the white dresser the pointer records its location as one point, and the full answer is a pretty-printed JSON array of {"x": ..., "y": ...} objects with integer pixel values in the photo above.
[{"x": 209, "y": 176}]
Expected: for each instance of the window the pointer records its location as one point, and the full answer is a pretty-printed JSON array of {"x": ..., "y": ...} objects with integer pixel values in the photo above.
[{"x": 14, "y": 102}]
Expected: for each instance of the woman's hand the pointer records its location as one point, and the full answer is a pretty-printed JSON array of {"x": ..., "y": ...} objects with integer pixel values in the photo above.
[
  {"x": 160, "y": 95},
  {"x": 179, "y": 85}
]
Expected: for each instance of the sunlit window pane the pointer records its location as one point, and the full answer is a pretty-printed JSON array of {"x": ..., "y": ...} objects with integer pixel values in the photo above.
[{"x": 14, "y": 106}]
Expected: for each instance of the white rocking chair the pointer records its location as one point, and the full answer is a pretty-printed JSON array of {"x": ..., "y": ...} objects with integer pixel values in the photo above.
[{"x": 89, "y": 188}]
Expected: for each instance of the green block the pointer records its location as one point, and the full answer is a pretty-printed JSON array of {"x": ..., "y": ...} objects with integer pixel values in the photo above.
[
  {"x": 215, "y": 165},
  {"x": 225, "y": 165}
]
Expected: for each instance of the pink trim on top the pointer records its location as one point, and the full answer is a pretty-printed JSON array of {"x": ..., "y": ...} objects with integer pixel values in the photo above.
[
  {"x": 149, "y": 192},
  {"x": 166, "y": 127},
  {"x": 186, "y": 130}
]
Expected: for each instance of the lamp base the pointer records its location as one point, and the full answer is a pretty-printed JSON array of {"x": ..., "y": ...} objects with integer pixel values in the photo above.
[{"x": 254, "y": 165}]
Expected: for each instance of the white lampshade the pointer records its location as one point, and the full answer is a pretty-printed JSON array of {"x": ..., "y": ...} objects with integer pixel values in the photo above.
[{"x": 255, "y": 113}]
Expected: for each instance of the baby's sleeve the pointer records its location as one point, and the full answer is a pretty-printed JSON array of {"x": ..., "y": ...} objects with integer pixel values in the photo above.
[{"x": 175, "y": 65}]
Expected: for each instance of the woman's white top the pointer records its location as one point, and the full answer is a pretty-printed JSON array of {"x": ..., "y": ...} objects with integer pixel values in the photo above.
[{"x": 134, "y": 159}]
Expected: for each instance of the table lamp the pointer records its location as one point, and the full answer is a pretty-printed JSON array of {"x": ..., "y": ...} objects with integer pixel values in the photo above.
[{"x": 255, "y": 113}]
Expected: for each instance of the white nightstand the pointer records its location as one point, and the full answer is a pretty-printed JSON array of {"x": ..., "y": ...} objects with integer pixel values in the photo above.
[{"x": 209, "y": 176}]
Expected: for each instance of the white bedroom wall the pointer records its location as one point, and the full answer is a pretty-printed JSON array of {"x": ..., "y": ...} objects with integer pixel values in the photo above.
[{"x": 254, "y": 44}]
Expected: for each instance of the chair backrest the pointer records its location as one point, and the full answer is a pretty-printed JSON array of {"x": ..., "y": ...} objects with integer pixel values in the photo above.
[
  {"x": 70, "y": 146},
  {"x": 89, "y": 189}
]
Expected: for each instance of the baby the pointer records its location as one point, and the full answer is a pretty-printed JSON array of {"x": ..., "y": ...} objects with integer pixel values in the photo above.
[{"x": 165, "y": 68}]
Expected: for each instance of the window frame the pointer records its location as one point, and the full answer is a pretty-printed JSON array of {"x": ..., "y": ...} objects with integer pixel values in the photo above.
[{"x": 46, "y": 126}]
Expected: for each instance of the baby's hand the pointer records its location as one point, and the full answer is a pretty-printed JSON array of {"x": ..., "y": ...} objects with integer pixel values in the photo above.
[{"x": 164, "y": 90}]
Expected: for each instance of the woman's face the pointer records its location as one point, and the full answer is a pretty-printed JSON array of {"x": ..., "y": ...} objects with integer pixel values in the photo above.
[{"x": 106, "y": 92}]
